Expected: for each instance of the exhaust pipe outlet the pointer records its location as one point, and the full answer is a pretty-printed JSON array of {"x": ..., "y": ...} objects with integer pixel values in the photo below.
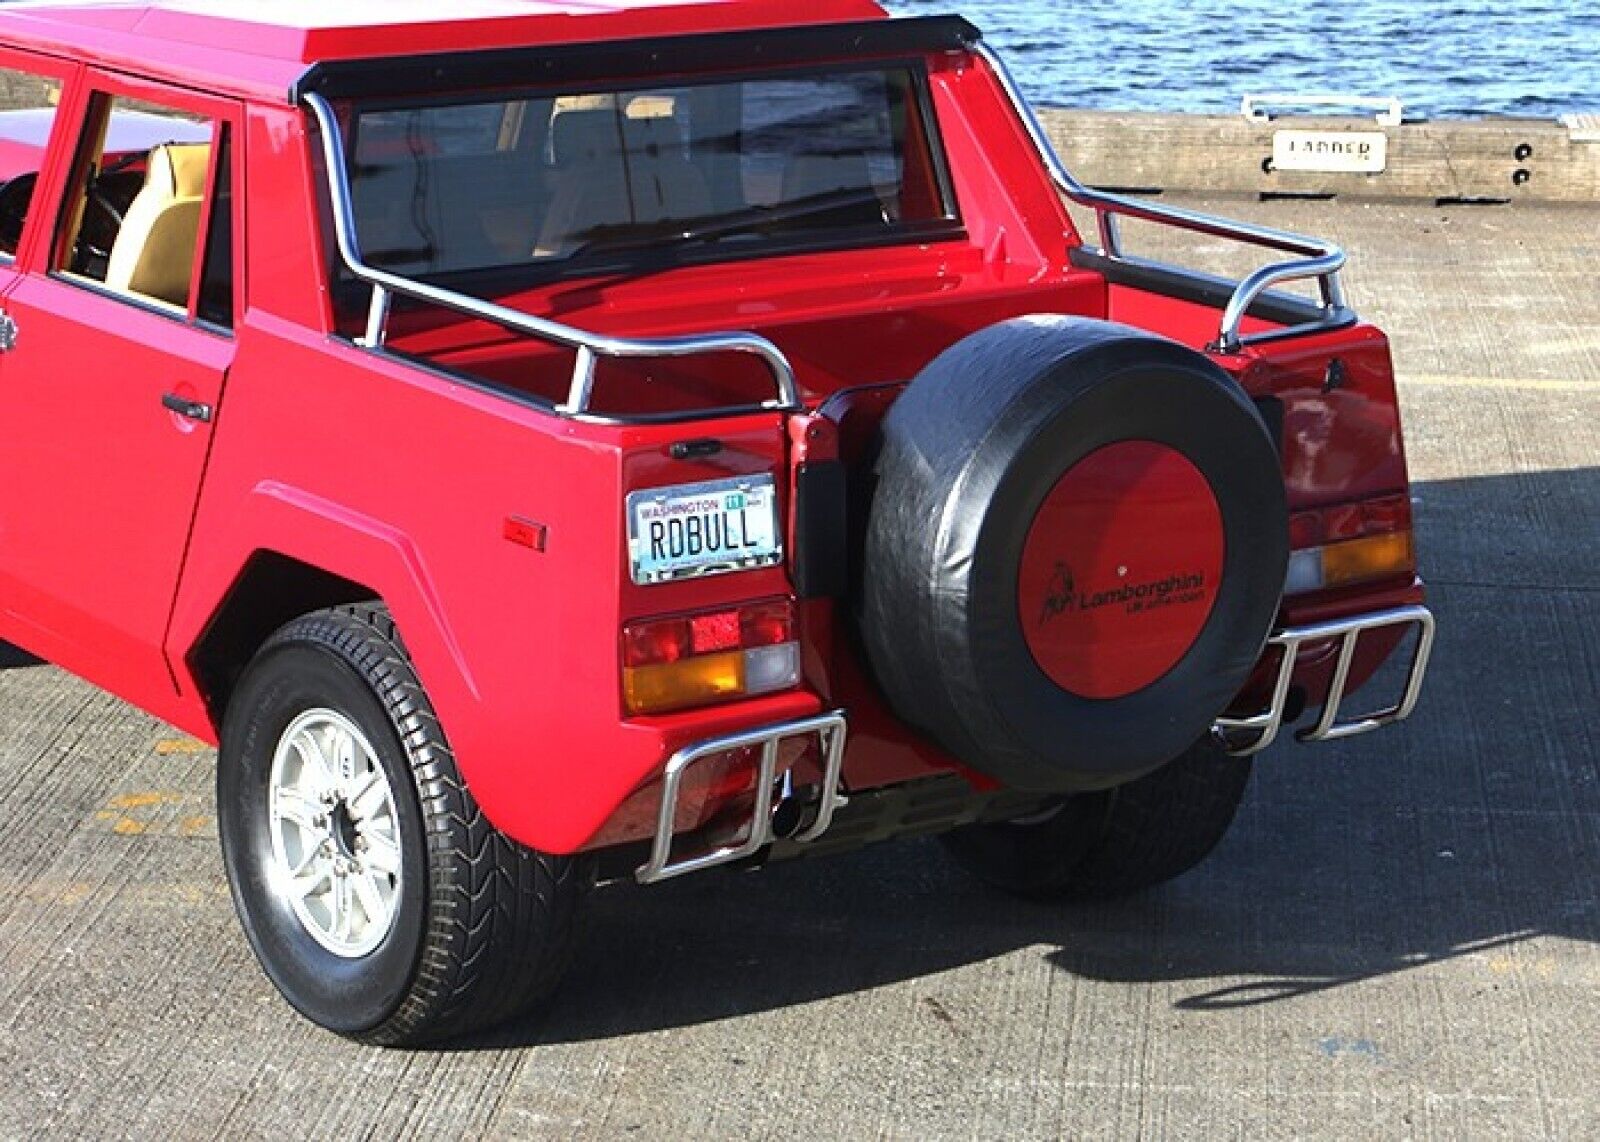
[{"x": 793, "y": 810}]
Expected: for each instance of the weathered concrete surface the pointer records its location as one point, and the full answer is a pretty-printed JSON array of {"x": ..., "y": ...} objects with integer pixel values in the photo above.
[
  {"x": 1401, "y": 937},
  {"x": 1514, "y": 160}
]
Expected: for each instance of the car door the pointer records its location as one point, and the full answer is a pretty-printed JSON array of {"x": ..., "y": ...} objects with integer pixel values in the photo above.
[{"x": 122, "y": 310}]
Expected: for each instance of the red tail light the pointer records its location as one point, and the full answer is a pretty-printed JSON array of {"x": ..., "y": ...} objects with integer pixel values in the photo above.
[
  {"x": 653, "y": 643},
  {"x": 714, "y": 632},
  {"x": 712, "y": 656},
  {"x": 1349, "y": 543},
  {"x": 767, "y": 624}
]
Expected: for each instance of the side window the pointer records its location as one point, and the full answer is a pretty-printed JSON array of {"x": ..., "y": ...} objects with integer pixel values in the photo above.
[
  {"x": 142, "y": 186},
  {"x": 29, "y": 103},
  {"x": 216, "y": 272}
]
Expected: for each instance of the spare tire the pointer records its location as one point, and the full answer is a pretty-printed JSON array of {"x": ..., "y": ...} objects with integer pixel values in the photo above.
[{"x": 1075, "y": 551}]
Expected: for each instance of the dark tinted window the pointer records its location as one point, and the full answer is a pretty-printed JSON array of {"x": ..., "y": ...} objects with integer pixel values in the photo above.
[{"x": 835, "y": 159}]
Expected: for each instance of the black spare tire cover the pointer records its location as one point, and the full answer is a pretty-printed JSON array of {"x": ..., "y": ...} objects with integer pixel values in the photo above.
[{"x": 1075, "y": 550}]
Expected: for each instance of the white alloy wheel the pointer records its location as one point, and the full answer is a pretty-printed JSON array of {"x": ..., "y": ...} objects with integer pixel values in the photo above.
[{"x": 335, "y": 833}]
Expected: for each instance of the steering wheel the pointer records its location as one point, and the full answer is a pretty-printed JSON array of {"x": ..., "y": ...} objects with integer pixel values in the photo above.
[
  {"x": 102, "y": 221},
  {"x": 14, "y": 199},
  {"x": 102, "y": 217},
  {"x": 98, "y": 198}
]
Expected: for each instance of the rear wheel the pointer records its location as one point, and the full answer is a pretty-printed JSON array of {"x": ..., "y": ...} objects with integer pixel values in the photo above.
[
  {"x": 379, "y": 900},
  {"x": 1115, "y": 841}
]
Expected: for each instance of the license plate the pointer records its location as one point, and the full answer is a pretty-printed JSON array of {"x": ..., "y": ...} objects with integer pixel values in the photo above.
[{"x": 692, "y": 530}]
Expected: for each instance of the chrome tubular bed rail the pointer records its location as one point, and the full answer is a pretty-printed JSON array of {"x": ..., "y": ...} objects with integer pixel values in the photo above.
[
  {"x": 1315, "y": 258},
  {"x": 1266, "y": 725},
  {"x": 589, "y": 347},
  {"x": 830, "y": 729}
]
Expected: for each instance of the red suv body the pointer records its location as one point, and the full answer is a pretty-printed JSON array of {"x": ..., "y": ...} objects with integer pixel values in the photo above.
[{"x": 565, "y": 337}]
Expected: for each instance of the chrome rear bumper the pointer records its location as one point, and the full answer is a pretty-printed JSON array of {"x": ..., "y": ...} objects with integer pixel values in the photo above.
[
  {"x": 1258, "y": 731},
  {"x": 830, "y": 730}
]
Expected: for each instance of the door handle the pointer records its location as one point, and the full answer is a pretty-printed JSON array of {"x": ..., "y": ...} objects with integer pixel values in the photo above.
[
  {"x": 183, "y": 406},
  {"x": 8, "y": 332}
]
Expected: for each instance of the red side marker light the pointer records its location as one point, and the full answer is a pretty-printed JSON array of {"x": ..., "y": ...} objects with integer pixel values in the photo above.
[{"x": 526, "y": 533}]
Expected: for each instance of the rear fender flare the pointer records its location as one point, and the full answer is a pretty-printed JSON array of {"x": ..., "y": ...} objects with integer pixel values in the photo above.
[{"x": 342, "y": 541}]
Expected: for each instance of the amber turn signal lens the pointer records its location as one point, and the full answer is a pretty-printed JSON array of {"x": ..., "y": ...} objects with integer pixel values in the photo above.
[
  {"x": 689, "y": 682},
  {"x": 1386, "y": 556},
  {"x": 1371, "y": 557}
]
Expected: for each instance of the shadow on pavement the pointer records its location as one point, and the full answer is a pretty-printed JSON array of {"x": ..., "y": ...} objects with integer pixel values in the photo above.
[
  {"x": 12, "y": 658},
  {"x": 1471, "y": 828}
]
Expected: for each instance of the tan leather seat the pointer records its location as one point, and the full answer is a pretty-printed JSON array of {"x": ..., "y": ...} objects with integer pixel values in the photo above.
[
  {"x": 596, "y": 187},
  {"x": 153, "y": 255},
  {"x": 845, "y": 175},
  {"x": 589, "y": 185},
  {"x": 666, "y": 184}
]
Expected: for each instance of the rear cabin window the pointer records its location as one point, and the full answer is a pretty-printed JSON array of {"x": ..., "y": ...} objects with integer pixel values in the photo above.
[
  {"x": 27, "y": 113},
  {"x": 576, "y": 182}
]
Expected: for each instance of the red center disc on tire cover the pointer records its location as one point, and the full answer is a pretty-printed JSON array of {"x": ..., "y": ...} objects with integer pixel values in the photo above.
[{"x": 1120, "y": 569}]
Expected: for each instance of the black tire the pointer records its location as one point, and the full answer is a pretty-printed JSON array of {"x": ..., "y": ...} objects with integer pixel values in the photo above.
[
  {"x": 970, "y": 454},
  {"x": 1116, "y": 841},
  {"x": 482, "y": 927}
]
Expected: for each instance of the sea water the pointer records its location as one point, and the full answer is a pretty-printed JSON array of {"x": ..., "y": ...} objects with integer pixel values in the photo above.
[{"x": 1441, "y": 58}]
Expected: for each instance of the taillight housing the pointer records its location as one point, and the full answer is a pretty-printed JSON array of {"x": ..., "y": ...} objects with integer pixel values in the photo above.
[
  {"x": 681, "y": 661},
  {"x": 1350, "y": 543}
]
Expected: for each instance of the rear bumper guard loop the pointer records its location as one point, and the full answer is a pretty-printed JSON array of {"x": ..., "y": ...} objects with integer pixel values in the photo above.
[
  {"x": 830, "y": 730},
  {"x": 1251, "y": 735}
]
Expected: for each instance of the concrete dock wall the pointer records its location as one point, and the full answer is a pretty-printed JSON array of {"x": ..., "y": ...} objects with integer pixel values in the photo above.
[{"x": 1488, "y": 160}]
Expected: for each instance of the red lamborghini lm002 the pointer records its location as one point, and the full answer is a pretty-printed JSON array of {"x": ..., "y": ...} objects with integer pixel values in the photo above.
[{"x": 566, "y": 442}]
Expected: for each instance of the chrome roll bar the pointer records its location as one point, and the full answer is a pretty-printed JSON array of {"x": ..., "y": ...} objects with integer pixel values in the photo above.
[
  {"x": 588, "y": 347},
  {"x": 1316, "y": 259}
]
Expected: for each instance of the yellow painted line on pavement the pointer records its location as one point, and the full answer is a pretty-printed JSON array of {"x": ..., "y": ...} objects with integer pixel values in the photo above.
[
  {"x": 181, "y": 745},
  {"x": 195, "y": 826},
  {"x": 157, "y": 813},
  {"x": 144, "y": 800}
]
